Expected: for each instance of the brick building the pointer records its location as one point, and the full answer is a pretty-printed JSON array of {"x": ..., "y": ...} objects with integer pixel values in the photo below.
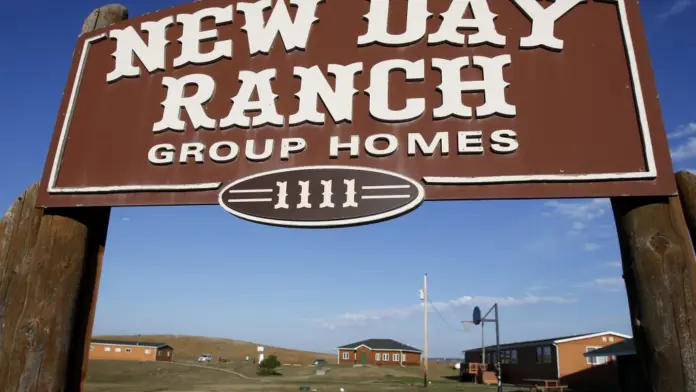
[
  {"x": 130, "y": 351},
  {"x": 379, "y": 352},
  {"x": 561, "y": 358}
]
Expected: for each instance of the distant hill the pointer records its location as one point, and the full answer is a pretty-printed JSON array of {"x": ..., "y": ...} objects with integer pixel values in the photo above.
[{"x": 188, "y": 348}]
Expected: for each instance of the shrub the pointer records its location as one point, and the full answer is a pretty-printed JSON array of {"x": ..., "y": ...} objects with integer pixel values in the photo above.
[{"x": 268, "y": 366}]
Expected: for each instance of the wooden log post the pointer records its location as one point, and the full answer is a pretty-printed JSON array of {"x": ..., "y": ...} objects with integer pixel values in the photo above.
[
  {"x": 686, "y": 183},
  {"x": 660, "y": 275},
  {"x": 50, "y": 264}
]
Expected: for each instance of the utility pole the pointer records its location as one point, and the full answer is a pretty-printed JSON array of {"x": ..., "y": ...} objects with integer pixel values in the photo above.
[{"x": 425, "y": 329}]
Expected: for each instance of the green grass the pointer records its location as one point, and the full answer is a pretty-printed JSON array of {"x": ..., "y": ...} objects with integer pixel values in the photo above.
[{"x": 120, "y": 376}]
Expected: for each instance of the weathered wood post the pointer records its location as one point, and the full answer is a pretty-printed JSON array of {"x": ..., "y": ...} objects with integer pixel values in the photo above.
[
  {"x": 660, "y": 275},
  {"x": 686, "y": 183},
  {"x": 50, "y": 263}
]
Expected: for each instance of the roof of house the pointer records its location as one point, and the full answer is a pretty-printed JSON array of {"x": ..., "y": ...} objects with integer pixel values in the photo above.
[
  {"x": 381, "y": 344},
  {"x": 623, "y": 348},
  {"x": 130, "y": 343},
  {"x": 551, "y": 341}
]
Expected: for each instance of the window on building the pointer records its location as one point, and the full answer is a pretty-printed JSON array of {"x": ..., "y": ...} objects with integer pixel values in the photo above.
[
  {"x": 169, "y": 354},
  {"x": 538, "y": 355},
  {"x": 547, "y": 354},
  {"x": 503, "y": 357},
  {"x": 148, "y": 351},
  {"x": 91, "y": 348},
  {"x": 604, "y": 338},
  {"x": 128, "y": 350},
  {"x": 513, "y": 356},
  {"x": 395, "y": 357},
  {"x": 385, "y": 357},
  {"x": 107, "y": 348},
  {"x": 611, "y": 338},
  {"x": 595, "y": 360},
  {"x": 118, "y": 349},
  {"x": 378, "y": 357}
]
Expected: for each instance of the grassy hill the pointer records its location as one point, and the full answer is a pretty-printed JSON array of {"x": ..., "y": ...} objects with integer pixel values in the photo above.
[
  {"x": 187, "y": 348},
  {"x": 184, "y": 375}
]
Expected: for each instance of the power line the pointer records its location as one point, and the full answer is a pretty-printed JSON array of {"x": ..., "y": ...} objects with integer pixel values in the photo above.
[{"x": 443, "y": 319}]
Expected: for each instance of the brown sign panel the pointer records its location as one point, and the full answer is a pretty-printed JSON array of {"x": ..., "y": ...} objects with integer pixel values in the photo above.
[{"x": 517, "y": 99}]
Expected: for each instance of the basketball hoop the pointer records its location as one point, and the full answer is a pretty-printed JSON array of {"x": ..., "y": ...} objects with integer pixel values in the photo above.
[{"x": 467, "y": 326}]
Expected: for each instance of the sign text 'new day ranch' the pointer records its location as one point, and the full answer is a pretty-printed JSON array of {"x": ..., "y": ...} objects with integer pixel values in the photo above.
[
  {"x": 472, "y": 98},
  {"x": 338, "y": 100}
]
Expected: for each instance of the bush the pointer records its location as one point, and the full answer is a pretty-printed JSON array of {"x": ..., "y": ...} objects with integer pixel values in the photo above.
[{"x": 268, "y": 366}]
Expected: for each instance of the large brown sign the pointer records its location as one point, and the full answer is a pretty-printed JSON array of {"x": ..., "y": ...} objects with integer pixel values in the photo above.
[{"x": 471, "y": 99}]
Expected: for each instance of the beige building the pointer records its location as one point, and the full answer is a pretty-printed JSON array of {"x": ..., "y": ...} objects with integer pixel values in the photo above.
[{"x": 130, "y": 351}]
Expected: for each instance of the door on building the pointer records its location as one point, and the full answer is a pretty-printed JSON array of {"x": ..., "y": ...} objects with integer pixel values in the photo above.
[{"x": 363, "y": 358}]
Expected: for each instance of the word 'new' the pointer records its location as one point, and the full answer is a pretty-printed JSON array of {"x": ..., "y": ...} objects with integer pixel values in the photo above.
[{"x": 261, "y": 33}]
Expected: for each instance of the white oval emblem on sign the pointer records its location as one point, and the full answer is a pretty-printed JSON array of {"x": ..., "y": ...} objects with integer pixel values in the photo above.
[{"x": 321, "y": 196}]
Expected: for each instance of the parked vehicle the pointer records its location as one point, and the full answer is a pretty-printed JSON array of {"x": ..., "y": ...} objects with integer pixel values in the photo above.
[
  {"x": 319, "y": 362},
  {"x": 205, "y": 358}
]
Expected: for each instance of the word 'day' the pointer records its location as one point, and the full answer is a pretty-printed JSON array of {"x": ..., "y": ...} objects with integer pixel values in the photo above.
[{"x": 321, "y": 196}]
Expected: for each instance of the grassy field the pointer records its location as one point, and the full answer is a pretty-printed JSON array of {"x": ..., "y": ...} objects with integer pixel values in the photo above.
[
  {"x": 122, "y": 376},
  {"x": 187, "y": 375}
]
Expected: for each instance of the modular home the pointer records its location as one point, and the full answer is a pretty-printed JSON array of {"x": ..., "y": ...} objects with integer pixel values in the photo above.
[
  {"x": 130, "y": 350},
  {"x": 559, "y": 358}
]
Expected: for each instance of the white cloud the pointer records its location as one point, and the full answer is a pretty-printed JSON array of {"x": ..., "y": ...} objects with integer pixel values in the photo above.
[
  {"x": 677, "y": 7},
  {"x": 685, "y": 150},
  {"x": 591, "y": 246},
  {"x": 683, "y": 130},
  {"x": 580, "y": 210},
  {"x": 367, "y": 316},
  {"x": 577, "y": 228},
  {"x": 605, "y": 284},
  {"x": 125, "y": 219}
]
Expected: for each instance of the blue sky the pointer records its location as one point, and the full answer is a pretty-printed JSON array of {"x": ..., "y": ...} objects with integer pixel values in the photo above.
[{"x": 552, "y": 265}]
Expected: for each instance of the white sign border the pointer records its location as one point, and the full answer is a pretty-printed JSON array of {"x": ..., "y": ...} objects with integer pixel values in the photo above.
[{"x": 648, "y": 151}]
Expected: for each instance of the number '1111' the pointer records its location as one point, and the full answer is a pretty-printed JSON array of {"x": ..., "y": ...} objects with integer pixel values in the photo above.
[{"x": 327, "y": 194}]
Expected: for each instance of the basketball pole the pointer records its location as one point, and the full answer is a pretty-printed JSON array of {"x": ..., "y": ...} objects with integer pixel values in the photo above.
[
  {"x": 483, "y": 345},
  {"x": 497, "y": 349},
  {"x": 425, "y": 330},
  {"x": 483, "y": 320}
]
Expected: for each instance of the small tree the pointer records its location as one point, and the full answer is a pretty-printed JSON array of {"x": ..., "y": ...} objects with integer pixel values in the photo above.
[{"x": 268, "y": 366}]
